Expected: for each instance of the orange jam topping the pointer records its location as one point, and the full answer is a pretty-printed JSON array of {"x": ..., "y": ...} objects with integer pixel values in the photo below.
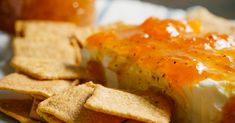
[{"x": 174, "y": 48}]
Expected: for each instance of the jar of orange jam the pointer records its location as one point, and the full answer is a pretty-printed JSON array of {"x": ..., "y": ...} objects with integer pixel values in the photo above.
[{"x": 80, "y": 12}]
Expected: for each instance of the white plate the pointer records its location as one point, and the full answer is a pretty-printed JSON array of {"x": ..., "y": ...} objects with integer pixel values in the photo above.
[{"x": 129, "y": 11}]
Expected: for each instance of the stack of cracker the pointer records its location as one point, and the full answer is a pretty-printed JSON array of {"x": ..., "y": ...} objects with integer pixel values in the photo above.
[
  {"x": 46, "y": 50},
  {"x": 47, "y": 63}
]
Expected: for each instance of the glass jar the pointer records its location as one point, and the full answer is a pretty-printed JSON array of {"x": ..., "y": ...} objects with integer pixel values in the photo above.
[{"x": 80, "y": 12}]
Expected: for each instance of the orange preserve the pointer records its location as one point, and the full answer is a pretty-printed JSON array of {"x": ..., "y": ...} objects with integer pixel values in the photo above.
[
  {"x": 174, "y": 48},
  {"x": 80, "y": 12}
]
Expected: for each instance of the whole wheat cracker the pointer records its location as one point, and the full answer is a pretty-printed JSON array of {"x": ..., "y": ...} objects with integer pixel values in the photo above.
[
  {"x": 61, "y": 51},
  {"x": 33, "y": 114},
  {"x": 36, "y": 28},
  {"x": 127, "y": 105},
  {"x": 68, "y": 107},
  {"x": 47, "y": 69},
  {"x": 37, "y": 88}
]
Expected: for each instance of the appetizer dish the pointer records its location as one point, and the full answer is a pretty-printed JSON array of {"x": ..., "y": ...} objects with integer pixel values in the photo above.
[
  {"x": 160, "y": 71},
  {"x": 194, "y": 67}
]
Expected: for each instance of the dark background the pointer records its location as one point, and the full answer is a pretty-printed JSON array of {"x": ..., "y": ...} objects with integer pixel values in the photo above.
[{"x": 225, "y": 8}]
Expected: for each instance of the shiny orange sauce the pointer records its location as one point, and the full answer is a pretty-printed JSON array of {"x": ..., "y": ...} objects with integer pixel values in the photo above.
[{"x": 176, "y": 49}]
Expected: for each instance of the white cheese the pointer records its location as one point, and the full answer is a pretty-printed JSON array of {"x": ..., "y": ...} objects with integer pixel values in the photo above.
[
  {"x": 206, "y": 100},
  {"x": 198, "y": 103}
]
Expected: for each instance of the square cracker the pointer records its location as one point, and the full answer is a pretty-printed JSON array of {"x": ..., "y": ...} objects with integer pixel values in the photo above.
[
  {"x": 127, "y": 105},
  {"x": 48, "y": 69},
  {"x": 68, "y": 107},
  {"x": 49, "y": 29},
  {"x": 47, "y": 44},
  {"x": 60, "y": 51},
  {"x": 23, "y": 84},
  {"x": 17, "y": 109},
  {"x": 33, "y": 112}
]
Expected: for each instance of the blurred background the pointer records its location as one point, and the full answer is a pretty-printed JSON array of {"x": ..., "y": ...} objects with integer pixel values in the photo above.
[
  {"x": 225, "y": 8},
  {"x": 86, "y": 12}
]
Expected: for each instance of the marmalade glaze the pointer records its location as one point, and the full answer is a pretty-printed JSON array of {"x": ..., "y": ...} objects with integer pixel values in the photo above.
[{"x": 176, "y": 49}]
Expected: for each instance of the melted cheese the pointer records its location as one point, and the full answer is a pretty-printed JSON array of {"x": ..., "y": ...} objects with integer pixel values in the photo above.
[
  {"x": 196, "y": 70},
  {"x": 169, "y": 46}
]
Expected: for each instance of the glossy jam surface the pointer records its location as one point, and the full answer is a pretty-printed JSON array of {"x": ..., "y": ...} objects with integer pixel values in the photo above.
[
  {"x": 175, "y": 49},
  {"x": 80, "y": 12}
]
